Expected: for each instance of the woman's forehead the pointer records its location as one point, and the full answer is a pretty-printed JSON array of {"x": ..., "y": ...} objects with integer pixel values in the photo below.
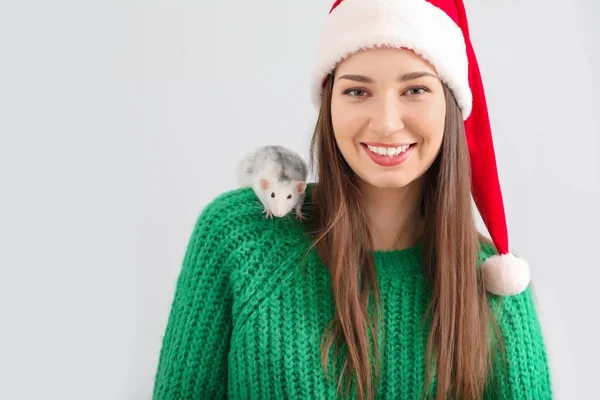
[{"x": 381, "y": 61}]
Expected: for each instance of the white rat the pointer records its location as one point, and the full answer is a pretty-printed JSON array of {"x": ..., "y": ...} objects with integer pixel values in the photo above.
[{"x": 278, "y": 177}]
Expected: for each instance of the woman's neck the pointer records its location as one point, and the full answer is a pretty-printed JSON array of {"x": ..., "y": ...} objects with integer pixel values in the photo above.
[{"x": 393, "y": 215}]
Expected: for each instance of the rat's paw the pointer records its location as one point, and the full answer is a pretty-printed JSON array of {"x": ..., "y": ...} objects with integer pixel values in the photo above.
[
  {"x": 299, "y": 215},
  {"x": 269, "y": 213}
]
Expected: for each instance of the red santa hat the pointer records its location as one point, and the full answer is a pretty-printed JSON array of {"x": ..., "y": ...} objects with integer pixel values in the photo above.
[{"x": 437, "y": 30}]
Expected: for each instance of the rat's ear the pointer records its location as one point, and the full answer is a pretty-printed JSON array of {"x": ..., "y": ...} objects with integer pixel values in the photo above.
[
  {"x": 264, "y": 184},
  {"x": 300, "y": 186}
]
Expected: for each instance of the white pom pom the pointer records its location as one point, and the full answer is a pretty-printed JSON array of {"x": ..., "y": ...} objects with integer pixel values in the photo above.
[{"x": 505, "y": 275}]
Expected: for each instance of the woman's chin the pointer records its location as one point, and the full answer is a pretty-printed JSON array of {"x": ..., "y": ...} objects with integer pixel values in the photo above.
[
  {"x": 391, "y": 184},
  {"x": 387, "y": 182}
]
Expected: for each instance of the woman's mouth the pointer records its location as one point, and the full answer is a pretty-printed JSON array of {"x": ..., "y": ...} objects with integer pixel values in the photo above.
[{"x": 389, "y": 156}]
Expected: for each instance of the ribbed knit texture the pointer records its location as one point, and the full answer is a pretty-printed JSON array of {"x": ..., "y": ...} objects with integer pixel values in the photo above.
[{"x": 245, "y": 322}]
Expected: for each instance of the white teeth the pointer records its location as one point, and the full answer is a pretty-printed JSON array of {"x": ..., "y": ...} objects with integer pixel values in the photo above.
[{"x": 388, "y": 151}]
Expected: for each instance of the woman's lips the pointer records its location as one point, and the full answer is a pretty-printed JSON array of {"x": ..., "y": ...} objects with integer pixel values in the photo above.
[
  {"x": 377, "y": 144},
  {"x": 389, "y": 161}
]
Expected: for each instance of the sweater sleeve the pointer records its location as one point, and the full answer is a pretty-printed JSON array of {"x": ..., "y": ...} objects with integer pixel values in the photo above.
[
  {"x": 193, "y": 358},
  {"x": 526, "y": 375}
]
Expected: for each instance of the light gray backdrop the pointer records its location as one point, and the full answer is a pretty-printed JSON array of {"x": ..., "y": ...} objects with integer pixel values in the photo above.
[{"x": 121, "y": 120}]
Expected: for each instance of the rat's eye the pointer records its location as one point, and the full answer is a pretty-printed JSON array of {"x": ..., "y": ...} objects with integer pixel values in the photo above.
[
  {"x": 272, "y": 194},
  {"x": 289, "y": 196}
]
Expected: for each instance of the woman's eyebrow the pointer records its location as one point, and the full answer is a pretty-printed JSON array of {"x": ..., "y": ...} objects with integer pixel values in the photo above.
[{"x": 402, "y": 78}]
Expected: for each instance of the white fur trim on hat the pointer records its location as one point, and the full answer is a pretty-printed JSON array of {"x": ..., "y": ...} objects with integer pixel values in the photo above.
[
  {"x": 506, "y": 275},
  {"x": 415, "y": 24}
]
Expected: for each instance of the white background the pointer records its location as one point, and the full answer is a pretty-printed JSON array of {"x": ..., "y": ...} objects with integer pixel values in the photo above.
[{"x": 121, "y": 120}]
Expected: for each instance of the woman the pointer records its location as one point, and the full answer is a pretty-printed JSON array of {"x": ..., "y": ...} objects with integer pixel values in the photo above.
[{"x": 387, "y": 291}]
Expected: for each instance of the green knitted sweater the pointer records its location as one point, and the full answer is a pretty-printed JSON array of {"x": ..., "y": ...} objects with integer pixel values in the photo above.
[{"x": 245, "y": 322}]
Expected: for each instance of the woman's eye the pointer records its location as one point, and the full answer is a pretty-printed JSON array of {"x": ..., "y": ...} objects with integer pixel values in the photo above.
[
  {"x": 417, "y": 88},
  {"x": 354, "y": 90}
]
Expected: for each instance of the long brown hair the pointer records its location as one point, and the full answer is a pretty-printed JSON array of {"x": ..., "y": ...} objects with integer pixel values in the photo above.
[{"x": 459, "y": 345}]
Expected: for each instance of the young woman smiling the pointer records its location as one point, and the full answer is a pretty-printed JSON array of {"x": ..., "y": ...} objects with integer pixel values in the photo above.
[{"x": 389, "y": 266}]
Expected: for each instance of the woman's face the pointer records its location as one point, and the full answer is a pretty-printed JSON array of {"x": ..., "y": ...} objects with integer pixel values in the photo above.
[{"x": 388, "y": 98}]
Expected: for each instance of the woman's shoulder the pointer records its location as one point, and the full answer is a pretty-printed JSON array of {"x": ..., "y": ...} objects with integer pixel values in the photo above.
[
  {"x": 229, "y": 206},
  {"x": 237, "y": 214},
  {"x": 486, "y": 247}
]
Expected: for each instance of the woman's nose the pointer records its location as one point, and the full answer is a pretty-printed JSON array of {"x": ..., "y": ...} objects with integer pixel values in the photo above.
[{"x": 387, "y": 116}]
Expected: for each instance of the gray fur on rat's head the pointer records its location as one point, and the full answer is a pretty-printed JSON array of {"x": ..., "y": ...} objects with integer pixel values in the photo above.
[{"x": 280, "y": 197}]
